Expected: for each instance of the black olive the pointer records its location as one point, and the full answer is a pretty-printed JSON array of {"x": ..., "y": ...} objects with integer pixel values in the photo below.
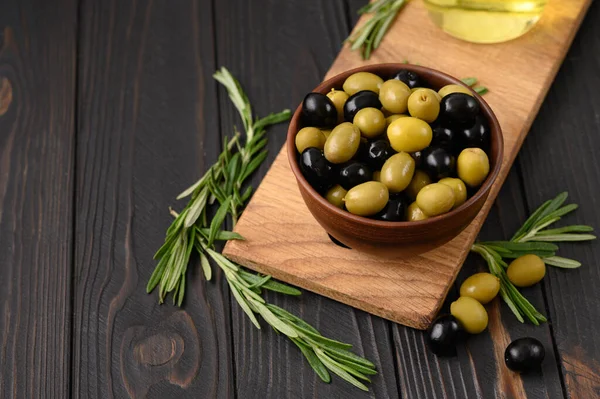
[
  {"x": 395, "y": 210},
  {"x": 316, "y": 169},
  {"x": 459, "y": 110},
  {"x": 354, "y": 173},
  {"x": 442, "y": 137},
  {"x": 358, "y": 101},
  {"x": 443, "y": 335},
  {"x": 524, "y": 354},
  {"x": 318, "y": 111},
  {"x": 438, "y": 162},
  {"x": 411, "y": 79},
  {"x": 418, "y": 157},
  {"x": 477, "y": 135},
  {"x": 376, "y": 153}
]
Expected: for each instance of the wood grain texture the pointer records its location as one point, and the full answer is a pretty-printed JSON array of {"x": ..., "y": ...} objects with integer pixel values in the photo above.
[
  {"x": 389, "y": 289},
  {"x": 479, "y": 370},
  {"x": 37, "y": 135},
  {"x": 148, "y": 119},
  {"x": 561, "y": 154},
  {"x": 279, "y": 51}
]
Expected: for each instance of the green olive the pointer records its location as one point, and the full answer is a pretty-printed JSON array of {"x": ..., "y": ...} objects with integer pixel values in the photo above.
[
  {"x": 309, "y": 137},
  {"x": 409, "y": 134},
  {"x": 459, "y": 188},
  {"x": 473, "y": 166},
  {"x": 338, "y": 98},
  {"x": 470, "y": 313},
  {"x": 433, "y": 92},
  {"x": 367, "y": 199},
  {"x": 342, "y": 143},
  {"x": 435, "y": 199},
  {"x": 423, "y": 104},
  {"x": 392, "y": 118},
  {"x": 397, "y": 172},
  {"x": 414, "y": 213},
  {"x": 449, "y": 89},
  {"x": 336, "y": 195},
  {"x": 326, "y": 132},
  {"x": 377, "y": 176},
  {"x": 420, "y": 179},
  {"x": 393, "y": 95},
  {"x": 526, "y": 270},
  {"x": 370, "y": 122},
  {"x": 481, "y": 286},
  {"x": 362, "y": 81}
]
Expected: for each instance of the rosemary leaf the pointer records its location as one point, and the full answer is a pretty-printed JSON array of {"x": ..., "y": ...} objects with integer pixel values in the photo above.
[{"x": 562, "y": 262}]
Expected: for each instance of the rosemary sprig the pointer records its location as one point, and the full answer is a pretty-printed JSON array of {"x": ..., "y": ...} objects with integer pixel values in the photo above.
[
  {"x": 533, "y": 237},
  {"x": 368, "y": 37},
  {"x": 192, "y": 230}
]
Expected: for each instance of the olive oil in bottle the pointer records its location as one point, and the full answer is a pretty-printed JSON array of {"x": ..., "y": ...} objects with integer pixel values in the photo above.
[{"x": 485, "y": 21}]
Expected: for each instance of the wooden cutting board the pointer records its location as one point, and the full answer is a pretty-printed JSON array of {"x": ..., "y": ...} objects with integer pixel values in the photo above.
[{"x": 283, "y": 239}]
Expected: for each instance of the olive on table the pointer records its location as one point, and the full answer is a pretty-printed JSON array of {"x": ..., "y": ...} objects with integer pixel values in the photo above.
[
  {"x": 459, "y": 109},
  {"x": 342, "y": 144},
  {"x": 438, "y": 162},
  {"x": 366, "y": 199},
  {"x": 309, "y": 137},
  {"x": 478, "y": 135},
  {"x": 318, "y": 111},
  {"x": 423, "y": 104},
  {"x": 393, "y": 95},
  {"x": 370, "y": 122},
  {"x": 397, "y": 172},
  {"x": 362, "y": 81},
  {"x": 377, "y": 152},
  {"x": 394, "y": 211},
  {"x": 411, "y": 79},
  {"x": 524, "y": 354},
  {"x": 315, "y": 168},
  {"x": 414, "y": 213},
  {"x": 353, "y": 174},
  {"x": 409, "y": 134},
  {"x": 459, "y": 188},
  {"x": 470, "y": 313},
  {"x": 449, "y": 89},
  {"x": 335, "y": 195},
  {"x": 435, "y": 199},
  {"x": 420, "y": 179},
  {"x": 392, "y": 118},
  {"x": 526, "y": 270},
  {"x": 358, "y": 101},
  {"x": 443, "y": 335},
  {"x": 338, "y": 98},
  {"x": 473, "y": 166},
  {"x": 442, "y": 137},
  {"x": 481, "y": 286}
]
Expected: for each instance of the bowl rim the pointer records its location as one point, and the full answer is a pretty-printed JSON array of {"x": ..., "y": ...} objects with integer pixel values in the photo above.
[{"x": 326, "y": 85}]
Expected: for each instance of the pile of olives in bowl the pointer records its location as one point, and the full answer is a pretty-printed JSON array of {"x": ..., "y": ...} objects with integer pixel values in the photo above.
[{"x": 392, "y": 148}]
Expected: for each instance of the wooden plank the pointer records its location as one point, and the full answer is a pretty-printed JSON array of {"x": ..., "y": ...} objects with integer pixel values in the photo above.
[
  {"x": 267, "y": 45},
  {"x": 479, "y": 369},
  {"x": 388, "y": 288},
  {"x": 37, "y": 111},
  {"x": 561, "y": 154},
  {"x": 147, "y": 121}
]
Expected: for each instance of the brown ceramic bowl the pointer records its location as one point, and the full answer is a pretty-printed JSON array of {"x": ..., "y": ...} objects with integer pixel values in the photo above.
[{"x": 393, "y": 239}]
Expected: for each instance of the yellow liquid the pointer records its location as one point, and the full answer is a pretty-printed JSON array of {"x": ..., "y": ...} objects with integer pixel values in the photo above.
[{"x": 485, "y": 21}]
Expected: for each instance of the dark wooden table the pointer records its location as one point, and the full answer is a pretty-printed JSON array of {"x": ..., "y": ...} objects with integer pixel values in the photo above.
[{"x": 108, "y": 110}]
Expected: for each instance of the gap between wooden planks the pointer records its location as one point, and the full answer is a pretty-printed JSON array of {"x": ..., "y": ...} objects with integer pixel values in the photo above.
[{"x": 283, "y": 239}]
